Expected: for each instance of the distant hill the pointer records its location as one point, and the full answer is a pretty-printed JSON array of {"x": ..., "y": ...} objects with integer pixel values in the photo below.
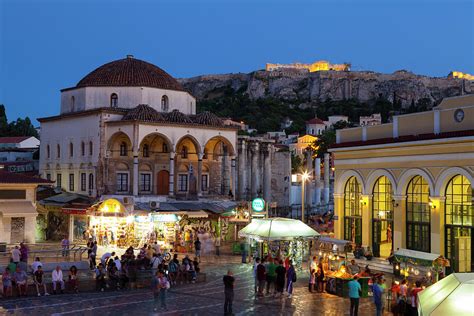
[{"x": 263, "y": 98}]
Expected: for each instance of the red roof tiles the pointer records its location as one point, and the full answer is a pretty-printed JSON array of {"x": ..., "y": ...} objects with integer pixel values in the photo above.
[
  {"x": 8, "y": 177},
  {"x": 13, "y": 140},
  {"x": 315, "y": 121}
]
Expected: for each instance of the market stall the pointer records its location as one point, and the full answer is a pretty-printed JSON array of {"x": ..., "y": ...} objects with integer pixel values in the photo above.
[
  {"x": 281, "y": 237},
  {"x": 452, "y": 295},
  {"x": 412, "y": 262}
]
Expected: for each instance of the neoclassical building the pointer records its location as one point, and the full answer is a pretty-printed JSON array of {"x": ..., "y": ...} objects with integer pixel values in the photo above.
[
  {"x": 129, "y": 128},
  {"x": 409, "y": 183}
]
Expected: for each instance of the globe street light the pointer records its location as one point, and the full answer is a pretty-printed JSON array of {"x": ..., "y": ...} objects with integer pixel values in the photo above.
[{"x": 304, "y": 177}]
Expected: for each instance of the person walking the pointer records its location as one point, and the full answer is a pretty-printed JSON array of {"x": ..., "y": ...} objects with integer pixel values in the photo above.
[
  {"x": 65, "y": 246},
  {"x": 378, "y": 293},
  {"x": 197, "y": 248},
  {"x": 414, "y": 297},
  {"x": 271, "y": 275},
  {"x": 39, "y": 281},
  {"x": 23, "y": 253},
  {"x": 354, "y": 295},
  {"x": 291, "y": 278},
  {"x": 92, "y": 256},
  {"x": 160, "y": 286},
  {"x": 255, "y": 265},
  {"x": 280, "y": 278},
  {"x": 320, "y": 277},
  {"x": 229, "y": 281},
  {"x": 313, "y": 268},
  {"x": 57, "y": 277},
  {"x": 261, "y": 276}
]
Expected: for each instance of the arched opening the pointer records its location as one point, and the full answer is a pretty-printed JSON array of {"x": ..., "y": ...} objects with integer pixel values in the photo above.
[
  {"x": 58, "y": 151},
  {"x": 83, "y": 148},
  {"x": 48, "y": 152},
  {"x": 217, "y": 153},
  {"x": 71, "y": 150},
  {"x": 91, "y": 181},
  {"x": 382, "y": 218},
  {"x": 164, "y": 103},
  {"x": 352, "y": 211},
  {"x": 73, "y": 104},
  {"x": 418, "y": 212},
  {"x": 187, "y": 150},
  {"x": 459, "y": 223},
  {"x": 91, "y": 148},
  {"x": 113, "y": 100},
  {"x": 118, "y": 146}
]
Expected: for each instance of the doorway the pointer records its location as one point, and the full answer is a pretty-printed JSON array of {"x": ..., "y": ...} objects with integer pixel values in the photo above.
[{"x": 163, "y": 183}]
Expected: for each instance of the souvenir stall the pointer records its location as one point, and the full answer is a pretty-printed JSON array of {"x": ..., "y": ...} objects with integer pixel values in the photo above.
[
  {"x": 333, "y": 255},
  {"x": 282, "y": 237},
  {"x": 419, "y": 264}
]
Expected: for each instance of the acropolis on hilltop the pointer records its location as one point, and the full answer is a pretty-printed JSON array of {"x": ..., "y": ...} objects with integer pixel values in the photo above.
[{"x": 320, "y": 65}]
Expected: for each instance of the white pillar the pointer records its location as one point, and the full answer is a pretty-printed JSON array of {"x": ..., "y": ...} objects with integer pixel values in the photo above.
[
  {"x": 317, "y": 180},
  {"x": 242, "y": 170},
  {"x": 255, "y": 171},
  {"x": 326, "y": 178},
  {"x": 267, "y": 178},
  {"x": 309, "y": 183},
  {"x": 135, "y": 173},
  {"x": 234, "y": 177},
  {"x": 199, "y": 175},
  {"x": 172, "y": 156},
  {"x": 71, "y": 228}
]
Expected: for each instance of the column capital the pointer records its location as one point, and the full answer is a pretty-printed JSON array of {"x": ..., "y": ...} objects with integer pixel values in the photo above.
[
  {"x": 438, "y": 198},
  {"x": 366, "y": 196},
  {"x": 399, "y": 197},
  {"x": 200, "y": 156},
  {"x": 338, "y": 195},
  {"x": 172, "y": 154}
]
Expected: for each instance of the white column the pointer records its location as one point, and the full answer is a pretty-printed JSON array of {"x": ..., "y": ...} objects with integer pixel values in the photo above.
[
  {"x": 326, "y": 178},
  {"x": 172, "y": 156},
  {"x": 267, "y": 179},
  {"x": 317, "y": 180},
  {"x": 199, "y": 175},
  {"x": 135, "y": 173},
  {"x": 71, "y": 227},
  {"x": 255, "y": 170},
  {"x": 233, "y": 172},
  {"x": 242, "y": 170},
  {"x": 309, "y": 183}
]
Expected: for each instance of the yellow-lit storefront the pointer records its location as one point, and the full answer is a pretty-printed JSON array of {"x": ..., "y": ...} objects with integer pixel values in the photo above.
[{"x": 409, "y": 183}]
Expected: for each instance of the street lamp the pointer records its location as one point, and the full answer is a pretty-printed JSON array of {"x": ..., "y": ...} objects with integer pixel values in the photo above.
[{"x": 304, "y": 177}]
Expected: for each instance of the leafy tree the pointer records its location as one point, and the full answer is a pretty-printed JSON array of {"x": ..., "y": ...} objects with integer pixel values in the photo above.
[
  {"x": 296, "y": 164},
  {"x": 20, "y": 127}
]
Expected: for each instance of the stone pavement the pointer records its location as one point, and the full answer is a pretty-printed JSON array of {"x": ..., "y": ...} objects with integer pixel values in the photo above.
[{"x": 190, "y": 299}]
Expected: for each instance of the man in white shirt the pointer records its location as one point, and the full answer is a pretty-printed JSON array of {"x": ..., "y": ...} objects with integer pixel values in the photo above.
[
  {"x": 106, "y": 257},
  {"x": 36, "y": 264},
  {"x": 157, "y": 248},
  {"x": 118, "y": 263},
  {"x": 57, "y": 276},
  {"x": 16, "y": 254}
]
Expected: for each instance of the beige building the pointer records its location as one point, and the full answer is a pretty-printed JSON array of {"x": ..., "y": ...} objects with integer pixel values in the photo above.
[
  {"x": 409, "y": 183},
  {"x": 18, "y": 207}
]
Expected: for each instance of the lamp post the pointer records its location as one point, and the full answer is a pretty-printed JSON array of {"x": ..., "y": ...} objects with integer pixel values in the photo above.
[{"x": 304, "y": 177}]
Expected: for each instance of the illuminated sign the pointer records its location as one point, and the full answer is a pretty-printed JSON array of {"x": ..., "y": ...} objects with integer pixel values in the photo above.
[{"x": 258, "y": 205}]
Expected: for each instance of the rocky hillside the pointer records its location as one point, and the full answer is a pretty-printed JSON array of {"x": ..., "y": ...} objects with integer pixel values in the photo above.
[{"x": 303, "y": 87}]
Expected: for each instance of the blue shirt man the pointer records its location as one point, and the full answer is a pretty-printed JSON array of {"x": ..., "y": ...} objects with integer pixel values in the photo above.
[
  {"x": 354, "y": 294},
  {"x": 378, "y": 291}
]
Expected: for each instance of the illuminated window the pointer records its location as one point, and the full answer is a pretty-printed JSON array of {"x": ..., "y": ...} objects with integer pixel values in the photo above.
[
  {"x": 352, "y": 211},
  {"x": 114, "y": 100},
  {"x": 459, "y": 218},
  {"x": 382, "y": 217},
  {"x": 418, "y": 215}
]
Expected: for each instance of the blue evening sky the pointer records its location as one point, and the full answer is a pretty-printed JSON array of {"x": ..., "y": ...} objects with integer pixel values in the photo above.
[{"x": 49, "y": 45}]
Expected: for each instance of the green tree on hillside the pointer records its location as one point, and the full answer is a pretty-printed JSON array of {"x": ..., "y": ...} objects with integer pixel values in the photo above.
[{"x": 20, "y": 127}]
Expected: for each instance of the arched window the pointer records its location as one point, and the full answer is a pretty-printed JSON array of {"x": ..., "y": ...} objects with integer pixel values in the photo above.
[
  {"x": 83, "y": 149},
  {"x": 71, "y": 150},
  {"x": 73, "y": 103},
  {"x": 114, "y": 100},
  {"x": 164, "y": 148},
  {"x": 184, "y": 152},
  {"x": 48, "y": 152},
  {"x": 352, "y": 211},
  {"x": 146, "y": 152},
  {"x": 164, "y": 103},
  {"x": 123, "y": 149},
  {"x": 91, "y": 148},
  {"x": 382, "y": 218},
  {"x": 58, "y": 151},
  {"x": 459, "y": 218},
  {"x": 91, "y": 181},
  {"x": 418, "y": 215}
]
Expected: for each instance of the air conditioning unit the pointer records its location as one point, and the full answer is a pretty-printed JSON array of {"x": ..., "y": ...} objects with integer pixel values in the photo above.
[{"x": 154, "y": 204}]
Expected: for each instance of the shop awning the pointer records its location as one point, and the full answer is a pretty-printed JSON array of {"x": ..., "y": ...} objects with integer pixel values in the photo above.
[
  {"x": 333, "y": 241},
  {"x": 420, "y": 257},
  {"x": 17, "y": 209},
  {"x": 452, "y": 295},
  {"x": 213, "y": 207},
  {"x": 277, "y": 229}
]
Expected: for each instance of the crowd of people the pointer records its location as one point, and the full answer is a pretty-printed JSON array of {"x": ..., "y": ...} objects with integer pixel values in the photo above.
[{"x": 273, "y": 276}]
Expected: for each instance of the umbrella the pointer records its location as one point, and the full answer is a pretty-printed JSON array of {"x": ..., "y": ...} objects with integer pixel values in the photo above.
[
  {"x": 452, "y": 295},
  {"x": 277, "y": 228}
]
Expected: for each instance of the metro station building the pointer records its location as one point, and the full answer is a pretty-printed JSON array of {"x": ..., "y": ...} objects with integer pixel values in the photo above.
[{"x": 409, "y": 183}]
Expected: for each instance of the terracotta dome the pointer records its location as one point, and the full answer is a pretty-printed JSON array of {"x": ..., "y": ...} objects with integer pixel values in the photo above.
[
  {"x": 208, "y": 118},
  {"x": 176, "y": 116},
  {"x": 144, "y": 113},
  {"x": 130, "y": 72}
]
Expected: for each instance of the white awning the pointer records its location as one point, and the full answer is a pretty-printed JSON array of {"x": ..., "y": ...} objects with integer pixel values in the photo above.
[{"x": 18, "y": 209}]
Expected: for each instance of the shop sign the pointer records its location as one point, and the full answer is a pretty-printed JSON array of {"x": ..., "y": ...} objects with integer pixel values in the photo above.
[
  {"x": 258, "y": 205},
  {"x": 164, "y": 218},
  {"x": 74, "y": 211}
]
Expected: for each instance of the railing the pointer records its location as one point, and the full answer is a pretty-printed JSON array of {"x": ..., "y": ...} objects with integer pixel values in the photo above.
[{"x": 74, "y": 253}]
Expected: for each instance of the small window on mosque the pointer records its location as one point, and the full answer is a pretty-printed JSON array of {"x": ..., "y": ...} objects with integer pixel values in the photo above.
[
  {"x": 73, "y": 103},
  {"x": 184, "y": 152},
  {"x": 164, "y": 148},
  {"x": 146, "y": 152},
  {"x": 164, "y": 103},
  {"x": 123, "y": 149},
  {"x": 114, "y": 100}
]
